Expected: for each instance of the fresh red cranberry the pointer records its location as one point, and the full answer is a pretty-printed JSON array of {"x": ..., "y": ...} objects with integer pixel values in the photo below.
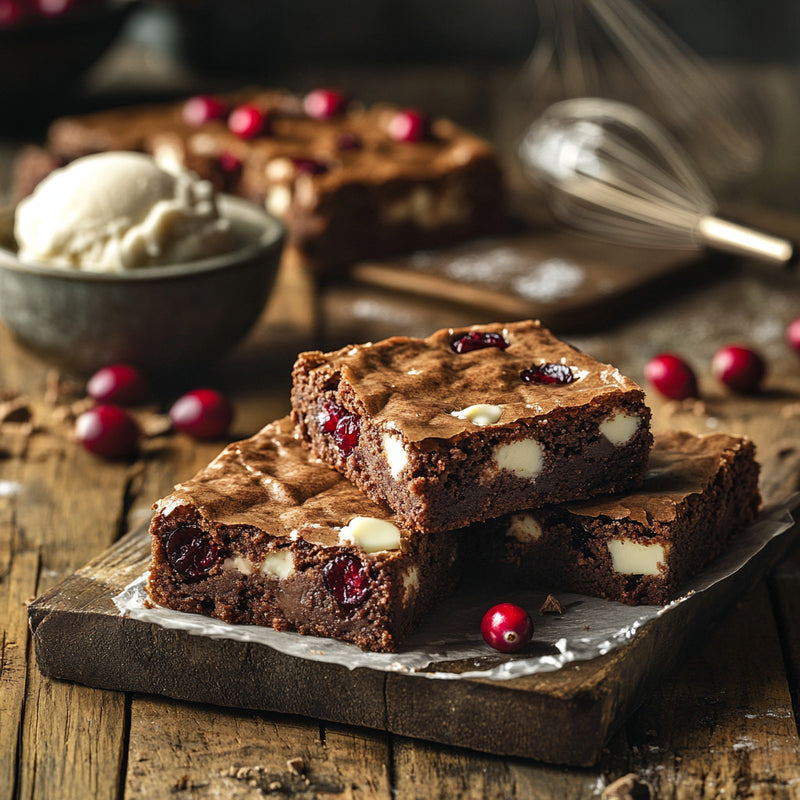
[
  {"x": 507, "y": 627},
  {"x": 108, "y": 431},
  {"x": 229, "y": 162},
  {"x": 548, "y": 374},
  {"x": 191, "y": 552},
  {"x": 349, "y": 141},
  {"x": 793, "y": 334},
  {"x": 347, "y": 580},
  {"x": 324, "y": 103},
  {"x": 409, "y": 125},
  {"x": 202, "y": 108},
  {"x": 123, "y": 384},
  {"x": 202, "y": 414},
  {"x": 247, "y": 122},
  {"x": 671, "y": 376},
  {"x": 478, "y": 340},
  {"x": 53, "y": 8},
  {"x": 310, "y": 166},
  {"x": 12, "y": 12},
  {"x": 740, "y": 368}
]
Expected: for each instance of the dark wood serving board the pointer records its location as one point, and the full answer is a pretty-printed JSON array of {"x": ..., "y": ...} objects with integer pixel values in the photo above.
[{"x": 563, "y": 717}]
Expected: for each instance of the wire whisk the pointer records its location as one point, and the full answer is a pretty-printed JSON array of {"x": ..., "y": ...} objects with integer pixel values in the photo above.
[
  {"x": 613, "y": 171},
  {"x": 620, "y": 50}
]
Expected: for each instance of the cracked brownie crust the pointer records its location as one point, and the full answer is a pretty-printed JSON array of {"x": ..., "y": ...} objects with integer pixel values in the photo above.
[{"x": 449, "y": 438}]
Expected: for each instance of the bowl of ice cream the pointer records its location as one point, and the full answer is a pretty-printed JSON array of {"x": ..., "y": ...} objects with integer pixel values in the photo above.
[{"x": 115, "y": 258}]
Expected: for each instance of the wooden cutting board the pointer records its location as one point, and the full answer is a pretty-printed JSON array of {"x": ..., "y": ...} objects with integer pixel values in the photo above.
[
  {"x": 563, "y": 717},
  {"x": 567, "y": 280}
]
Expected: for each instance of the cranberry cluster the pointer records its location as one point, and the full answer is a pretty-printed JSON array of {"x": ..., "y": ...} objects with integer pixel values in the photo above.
[
  {"x": 341, "y": 425},
  {"x": 108, "y": 429},
  {"x": 548, "y": 374}
]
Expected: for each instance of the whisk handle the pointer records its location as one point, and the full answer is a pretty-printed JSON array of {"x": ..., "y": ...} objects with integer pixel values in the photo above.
[{"x": 721, "y": 234}]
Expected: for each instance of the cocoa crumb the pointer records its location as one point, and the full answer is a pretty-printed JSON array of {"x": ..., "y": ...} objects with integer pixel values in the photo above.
[
  {"x": 551, "y": 606},
  {"x": 628, "y": 787},
  {"x": 296, "y": 765}
]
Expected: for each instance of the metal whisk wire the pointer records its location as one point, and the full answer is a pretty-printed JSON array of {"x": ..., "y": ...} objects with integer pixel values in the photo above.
[
  {"x": 595, "y": 47},
  {"x": 613, "y": 171}
]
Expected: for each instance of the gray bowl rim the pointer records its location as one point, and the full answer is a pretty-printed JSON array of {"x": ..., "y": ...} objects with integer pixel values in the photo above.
[{"x": 271, "y": 239}]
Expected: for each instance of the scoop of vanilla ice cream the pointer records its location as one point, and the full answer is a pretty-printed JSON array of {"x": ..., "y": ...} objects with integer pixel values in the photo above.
[{"x": 116, "y": 211}]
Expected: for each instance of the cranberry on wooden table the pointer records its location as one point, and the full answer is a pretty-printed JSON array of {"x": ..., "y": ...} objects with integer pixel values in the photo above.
[
  {"x": 108, "y": 431},
  {"x": 740, "y": 368},
  {"x": 793, "y": 334},
  {"x": 671, "y": 376},
  {"x": 507, "y": 627},
  {"x": 202, "y": 414},
  {"x": 123, "y": 384}
]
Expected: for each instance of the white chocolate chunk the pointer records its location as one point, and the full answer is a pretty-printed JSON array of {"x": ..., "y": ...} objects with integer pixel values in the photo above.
[
  {"x": 278, "y": 564},
  {"x": 278, "y": 200},
  {"x": 524, "y": 458},
  {"x": 632, "y": 558},
  {"x": 396, "y": 454},
  {"x": 524, "y": 528},
  {"x": 371, "y": 535},
  {"x": 620, "y": 427},
  {"x": 481, "y": 414},
  {"x": 410, "y": 584},
  {"x": 238, "y": 563}
]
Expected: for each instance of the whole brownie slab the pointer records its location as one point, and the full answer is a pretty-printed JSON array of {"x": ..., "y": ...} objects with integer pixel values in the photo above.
[
  {"x": 346, "y": 189},
  {"x": 268, "y": 535},
  {"x": 517, "y": 419},
  {"x": 640, "y": 547}
]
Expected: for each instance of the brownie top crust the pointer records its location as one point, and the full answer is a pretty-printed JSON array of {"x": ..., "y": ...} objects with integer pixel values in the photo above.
[
  {"x": 681, "y": 465},
  {"x": 371, "y": 156},
  {"x": 271, "y": 482},
  {"x": 424, "y": 389}
]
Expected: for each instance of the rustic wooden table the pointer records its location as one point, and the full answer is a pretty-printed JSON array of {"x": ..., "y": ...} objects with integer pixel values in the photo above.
[{"x": 721, "y": 723}]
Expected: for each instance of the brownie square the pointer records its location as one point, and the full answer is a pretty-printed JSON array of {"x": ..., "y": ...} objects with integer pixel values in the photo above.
[
  {"x": 345, "y": 187},
  {"x": 267, "y": 535},
  {"x": 472, "y": 423},
  {"x": 641, "y": 547}
]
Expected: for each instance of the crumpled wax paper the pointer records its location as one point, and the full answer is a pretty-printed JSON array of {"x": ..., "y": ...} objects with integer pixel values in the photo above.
[{"x": 450, "y": 636}]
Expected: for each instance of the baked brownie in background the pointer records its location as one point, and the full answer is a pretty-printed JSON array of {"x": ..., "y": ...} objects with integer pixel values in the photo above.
[
  {"x": 267, "y": 535},
  {"x": 641, "y": 547},
  {"x": 350, "y": 182},
  {"x": 472, "y": 423}
]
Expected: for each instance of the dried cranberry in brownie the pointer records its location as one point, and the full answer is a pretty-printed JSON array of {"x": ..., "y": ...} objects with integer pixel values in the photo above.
[
  {"x": 268, "y": 535},
  {"x": 350, "y": 182},
  {"x": 640, "y": 547},
  {"x": 472, "y": 423}
]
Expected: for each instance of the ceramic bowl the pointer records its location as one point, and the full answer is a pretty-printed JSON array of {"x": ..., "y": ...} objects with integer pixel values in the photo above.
[{"x": 158, "y": 318}]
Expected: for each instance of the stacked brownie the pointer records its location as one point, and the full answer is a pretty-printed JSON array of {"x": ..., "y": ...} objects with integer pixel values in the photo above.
[
  {"x": 350, "y": 182},
  {"x": 408, "y": 461}
]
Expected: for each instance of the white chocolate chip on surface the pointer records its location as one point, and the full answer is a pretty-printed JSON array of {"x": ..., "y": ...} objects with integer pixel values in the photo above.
[
  {"x": 525, "y": 458},
  {"x": 239, "y": 564},
  {"x": 620, "y": 427},
  {"x": 481, "y": 414},
  {"x": 371, "y": 535},
  {"x": 278, "y": 200},
  {"x": 278, "y": 564},
  {"x": 524, "y": 528},
  {"x": 632, "y": 558},
  {"x": 396, "y": 454}
]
